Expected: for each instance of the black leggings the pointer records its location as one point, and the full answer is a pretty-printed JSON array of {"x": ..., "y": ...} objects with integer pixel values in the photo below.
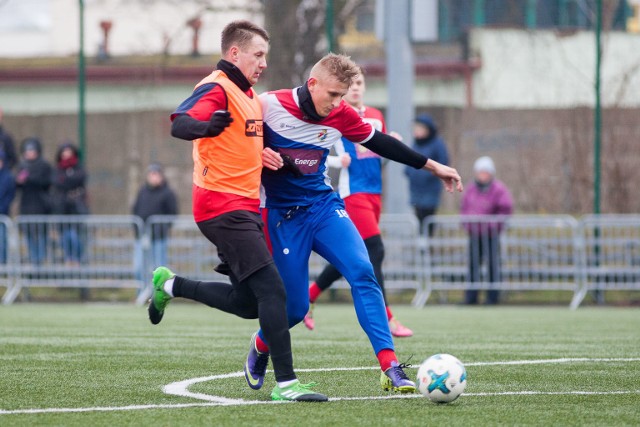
[
  {"x": 260, "y": 296},
  {"x": 375, "y": 248}
]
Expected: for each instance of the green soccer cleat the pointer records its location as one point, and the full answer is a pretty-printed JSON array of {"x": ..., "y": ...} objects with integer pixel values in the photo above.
[
  {"x": 298, "y": 392},
  {"x": 159, "y": 298}
]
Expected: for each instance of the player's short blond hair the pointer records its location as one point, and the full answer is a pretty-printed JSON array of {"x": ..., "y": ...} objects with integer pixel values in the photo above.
[{"x": 338, "y": 66}]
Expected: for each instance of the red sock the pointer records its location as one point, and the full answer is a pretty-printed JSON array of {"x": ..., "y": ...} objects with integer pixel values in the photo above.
[
  {"x": 314, "y": 292},
  {"x": 385, "y": 357},
  {"x": 389, "y": 313},
  {"x": 261, "y": 346}
]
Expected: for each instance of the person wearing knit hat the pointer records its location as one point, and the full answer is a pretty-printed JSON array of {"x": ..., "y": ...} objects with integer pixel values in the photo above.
[
  {"x": 484, "y": 164},
  {"x": 486, "y": 195}
]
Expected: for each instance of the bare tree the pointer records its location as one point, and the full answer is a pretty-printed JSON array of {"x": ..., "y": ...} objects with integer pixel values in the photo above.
[{"x": 298, "y": 36}]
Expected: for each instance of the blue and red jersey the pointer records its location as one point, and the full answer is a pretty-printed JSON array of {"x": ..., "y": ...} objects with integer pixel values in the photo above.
[{"x": 306, "y": 143}]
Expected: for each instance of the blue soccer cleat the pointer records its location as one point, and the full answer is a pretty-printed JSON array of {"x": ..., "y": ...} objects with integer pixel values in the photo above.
[{"x": 255, "y": 368}]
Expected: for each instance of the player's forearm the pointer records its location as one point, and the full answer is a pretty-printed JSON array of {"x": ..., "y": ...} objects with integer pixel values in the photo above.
[
  {"x": 188, "y": 128},
  {"x": 392, "y": 149}
]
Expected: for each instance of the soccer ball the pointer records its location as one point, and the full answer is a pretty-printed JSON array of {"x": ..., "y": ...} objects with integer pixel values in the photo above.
[{"x": 442, "y": 378}]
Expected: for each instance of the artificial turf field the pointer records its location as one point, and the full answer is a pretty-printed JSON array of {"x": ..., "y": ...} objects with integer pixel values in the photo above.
[{"x": 94, "y": 365}]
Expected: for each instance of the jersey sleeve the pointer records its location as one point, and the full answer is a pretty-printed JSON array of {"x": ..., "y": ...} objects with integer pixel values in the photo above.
[
  {"x": 203, "y": 102},
  {"x": 353, "y": 127}
]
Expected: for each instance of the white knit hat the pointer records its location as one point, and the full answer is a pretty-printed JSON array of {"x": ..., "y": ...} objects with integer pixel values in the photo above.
[{"x": 484, "y": 164}]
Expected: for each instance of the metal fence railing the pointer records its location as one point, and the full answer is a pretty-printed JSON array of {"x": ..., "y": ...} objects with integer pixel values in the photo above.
[
  {"x": 611, "y": 252},
  {"x": 72, "y": 251},
  {"x": 598, "y": 253},
  {"x": 502, "y": 253}
]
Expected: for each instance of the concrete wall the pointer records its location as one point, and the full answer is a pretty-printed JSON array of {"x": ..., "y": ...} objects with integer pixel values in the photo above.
[{"x": 545, "y": 157}]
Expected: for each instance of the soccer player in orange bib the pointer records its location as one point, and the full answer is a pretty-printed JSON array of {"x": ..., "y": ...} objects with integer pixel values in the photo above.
[{"x": 223, "y": 118}]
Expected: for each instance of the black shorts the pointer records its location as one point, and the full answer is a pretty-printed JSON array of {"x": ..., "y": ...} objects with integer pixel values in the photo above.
[{"x": 240, "y": 240}]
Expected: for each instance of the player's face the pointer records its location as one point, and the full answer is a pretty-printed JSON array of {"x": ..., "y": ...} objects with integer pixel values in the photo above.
[
  {"x": 252, "y": 60},
  {"x": 356, "y": 92},
  {"x": 326, "y": 93}
]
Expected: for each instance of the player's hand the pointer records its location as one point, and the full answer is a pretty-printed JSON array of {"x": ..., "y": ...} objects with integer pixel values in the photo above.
[
  {"x": 290, "y": 165},
  {"x": 220, "y": 120},
  {"x": 448, "y": 175},
  {"x": 345, "y": 160},
  {"x": 271, "y": 159}
]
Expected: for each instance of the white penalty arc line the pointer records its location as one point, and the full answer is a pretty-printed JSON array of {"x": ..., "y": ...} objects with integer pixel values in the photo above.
[{"x": 180, "y": 388}]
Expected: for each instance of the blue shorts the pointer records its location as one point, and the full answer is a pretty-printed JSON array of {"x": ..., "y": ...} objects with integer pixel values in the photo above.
[{"x": 325, "y": 228}]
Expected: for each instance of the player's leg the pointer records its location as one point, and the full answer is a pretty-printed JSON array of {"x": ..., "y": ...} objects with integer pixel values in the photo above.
[
  {"x": 267, "y": 342},
  {"x": 227, "y": 232},
  {"x": 324, "y": 281},
  {"x": 364, "y": 210},
  {"x": 375, "y": 249},
  {"x": 327, "y": 276},
  {"x": 240, "y": 237},
  {"x": 234, "y": 299},
  {"x": 290, "y": 234},
  {"x": 352, "y": 259}
]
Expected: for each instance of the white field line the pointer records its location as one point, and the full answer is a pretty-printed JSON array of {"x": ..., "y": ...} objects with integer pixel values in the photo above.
[
  {"x": 180, "y": 388},
  {"x": 333, "y": 399}
]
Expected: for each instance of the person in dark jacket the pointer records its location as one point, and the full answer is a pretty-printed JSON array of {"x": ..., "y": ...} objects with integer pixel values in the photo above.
[
  {"x": 7, "y": 145},
  {"x": 425, "y": 189},
  {"x": 155, "y": 197},
  {"x": 7, "y": 194},
  {"x": 33, "y": 179},
  {"x": 69, "y": 197}
]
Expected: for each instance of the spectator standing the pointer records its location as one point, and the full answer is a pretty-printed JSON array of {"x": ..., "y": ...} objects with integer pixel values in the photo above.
[
  {"x": 7, "y": 194},
  {"x": 33, "y": 179},
  {"x": 155, "y": 197},
  {"x": 70, "y": 198},
  {"x": 7, "y": 145},
  {"x": 486, "y": 195},
  {"x": 425, "y": 188}
]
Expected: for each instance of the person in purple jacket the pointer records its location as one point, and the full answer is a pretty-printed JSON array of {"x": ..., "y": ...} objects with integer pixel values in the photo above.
[{"x": 486, "y": 195}]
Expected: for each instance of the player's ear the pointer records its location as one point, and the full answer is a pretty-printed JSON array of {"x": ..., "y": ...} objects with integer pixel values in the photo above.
[
  {"x": 312, "y": 82},
  {"x": 233, "y": 53}
]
